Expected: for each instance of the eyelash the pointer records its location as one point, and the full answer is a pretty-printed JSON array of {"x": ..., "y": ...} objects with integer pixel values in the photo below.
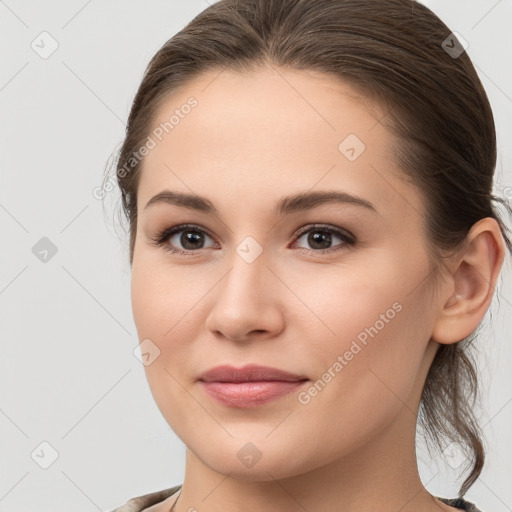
[{"x": 163, "y": 236}]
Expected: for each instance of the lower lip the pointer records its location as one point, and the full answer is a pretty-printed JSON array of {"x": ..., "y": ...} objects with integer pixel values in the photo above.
[{"x": 249, "y": 394}]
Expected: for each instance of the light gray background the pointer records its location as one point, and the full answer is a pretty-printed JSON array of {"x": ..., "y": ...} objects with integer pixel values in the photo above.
[{"x": 68, "y": 373}]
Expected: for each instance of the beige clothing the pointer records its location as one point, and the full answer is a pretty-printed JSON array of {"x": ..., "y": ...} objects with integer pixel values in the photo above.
[{"x": 146, "y": 502}]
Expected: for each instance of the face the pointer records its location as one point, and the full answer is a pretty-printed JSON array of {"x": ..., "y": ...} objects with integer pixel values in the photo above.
[{"x": 334, "y": 291}]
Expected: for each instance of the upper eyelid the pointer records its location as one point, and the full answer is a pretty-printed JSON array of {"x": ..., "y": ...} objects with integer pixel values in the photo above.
[{"x": 318, "y": 225}]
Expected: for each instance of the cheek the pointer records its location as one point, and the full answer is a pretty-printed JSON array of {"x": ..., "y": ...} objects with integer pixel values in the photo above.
[
  {"x": 159, "y": 310},
  {"x": 368, "y": 359},
  {"x": 168, "y": 309},
  {"x": 342, "y": 306},
  {"x": 163, "y": 299}
]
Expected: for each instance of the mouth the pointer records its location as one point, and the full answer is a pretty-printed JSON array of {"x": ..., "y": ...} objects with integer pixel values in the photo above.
[
  {"x": 249, "y": 386},
  {"x": 250, "y": 394},
  {"x": 249, "y": 373}
]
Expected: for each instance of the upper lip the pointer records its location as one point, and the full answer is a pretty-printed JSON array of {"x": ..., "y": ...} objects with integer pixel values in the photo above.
[{"x": 248, "y": 373}]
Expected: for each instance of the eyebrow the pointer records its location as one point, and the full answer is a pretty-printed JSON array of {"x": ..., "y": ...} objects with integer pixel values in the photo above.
[{"x": 285, "y": 205}]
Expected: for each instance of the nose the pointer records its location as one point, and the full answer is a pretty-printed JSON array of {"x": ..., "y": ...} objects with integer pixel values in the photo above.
[{"x": 247, "y": 302}]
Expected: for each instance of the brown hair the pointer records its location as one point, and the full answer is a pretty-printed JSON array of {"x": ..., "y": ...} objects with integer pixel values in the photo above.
[{"x": 391, "y": 51}]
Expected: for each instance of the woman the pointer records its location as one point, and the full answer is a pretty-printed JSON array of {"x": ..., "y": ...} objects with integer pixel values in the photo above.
[{"x": 313, "y": 245}]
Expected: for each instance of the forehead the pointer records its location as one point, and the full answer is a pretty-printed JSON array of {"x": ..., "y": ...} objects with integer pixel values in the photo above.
[{"x": 271, "y": 132}]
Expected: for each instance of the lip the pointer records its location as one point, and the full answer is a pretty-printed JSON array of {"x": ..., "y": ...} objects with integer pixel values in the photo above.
[
  {"x": 249, "y": 394},
  {"x": 250, "y": 386},
  {"x": 248, "y": 373}
]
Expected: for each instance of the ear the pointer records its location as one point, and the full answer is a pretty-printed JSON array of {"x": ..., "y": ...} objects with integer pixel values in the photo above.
[{"x": 471, "y": 283}]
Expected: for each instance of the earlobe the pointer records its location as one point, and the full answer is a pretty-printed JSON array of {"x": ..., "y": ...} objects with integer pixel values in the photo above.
[{"x": 472, "y": 283}]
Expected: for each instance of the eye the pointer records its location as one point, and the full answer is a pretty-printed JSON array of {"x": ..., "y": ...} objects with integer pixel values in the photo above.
[
  {"x": 192, "y": 239},
  {"x": 320, "y": 237},
  {"x": 189, "y": 236}
]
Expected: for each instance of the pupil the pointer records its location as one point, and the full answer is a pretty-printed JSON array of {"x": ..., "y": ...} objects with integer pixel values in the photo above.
[
  {"x": 315, "y": 239},
  {"x": 187, "y": 237}
]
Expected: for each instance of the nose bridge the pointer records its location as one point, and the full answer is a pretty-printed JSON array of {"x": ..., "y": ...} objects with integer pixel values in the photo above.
[
  {"x": 244, "y": 300},
  {"x": 245, "y": 281}
]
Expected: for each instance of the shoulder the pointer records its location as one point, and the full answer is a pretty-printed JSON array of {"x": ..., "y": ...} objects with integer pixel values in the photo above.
[
  {"x": 140, "y": 503},
  {"x": 460, "y": 503}
]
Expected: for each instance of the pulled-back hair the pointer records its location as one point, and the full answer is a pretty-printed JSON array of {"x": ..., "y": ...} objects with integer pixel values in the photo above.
[{"x": 397, "y": 53}]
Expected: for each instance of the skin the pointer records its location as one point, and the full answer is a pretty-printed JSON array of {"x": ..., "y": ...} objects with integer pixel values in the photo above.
[{"x": 253, "y": 138}]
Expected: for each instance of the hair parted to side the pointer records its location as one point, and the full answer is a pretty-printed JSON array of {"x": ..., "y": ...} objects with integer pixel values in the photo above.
[{"x": 390, "y": 51}]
